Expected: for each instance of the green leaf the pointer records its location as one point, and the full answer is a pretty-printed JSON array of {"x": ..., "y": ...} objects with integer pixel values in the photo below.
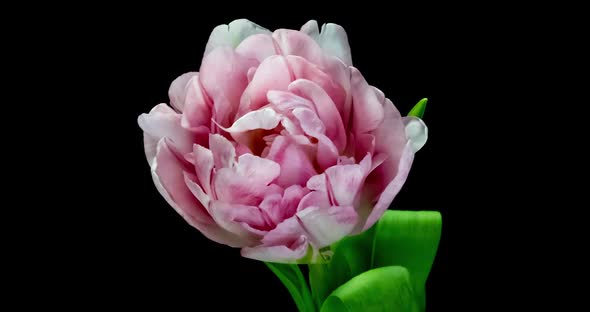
[
  {"x": 409, "y": 239},
  {"x": 352, "y": 256},
  {"x": 419, "y": 108},
  {"x": 382, "y": 289},
  {"x": 290, "y": 275}
]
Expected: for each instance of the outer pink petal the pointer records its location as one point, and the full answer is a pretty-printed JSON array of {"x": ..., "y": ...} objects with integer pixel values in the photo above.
[
  {"x": 280, "y": 253},
  {"x": 259, "y": 47},
  {"x": 295, "y": 161},
  {"x": 368, "y": 110},
  {"x": 393, "y": 188},
  {"x": 325, "y": 226},
  {"x": 197, "y": 191},
  {"x": 224, "y": 77},
  {"x": 272, "y": 74},
  {"x": 197, "y": 105},
  {"x": 326, "y": 110},
  {"x": 203, "y": 161},
  {"x": 177, "y": 90},
  {"x": 163, "y": 122},
  {"x": 169, "y": 170},
  {"x": 224, "y": 153}
]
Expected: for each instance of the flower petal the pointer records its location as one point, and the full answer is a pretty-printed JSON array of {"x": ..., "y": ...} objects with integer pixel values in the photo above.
[
  {"x": 292, "y": 42},
  {"x": 177, "y": 90},
  {"x": 197, "y": 105},
  {"x": 416, "y": 132},
  {"x": 233, "y": 34},
  {"x": 272, "y": 74},
  {"x": 163, "y": 122},
  {"x": 233, "y": 217},
  {"x": 325, "y": 226},
  {"x": 368, "y": 110},
  {"x": 197, "y": 191},
  {"x": 332, "y": 39},
  {"x": 387, "y": 196},
  {"x": 327, "y": 153},
  {"x": 224, "y": 153},
  {"x": 345, "y": 181},
  {"x": 326, "y": 110},
  {"x": 265, "y": 118},
  {"x": 203, "y": 161},
  {"x": 280, "y": 253},
  {"x": 224, "y": 77},
  {"x": 295, "y": 161},
  {"x": 259, "y": 47}
]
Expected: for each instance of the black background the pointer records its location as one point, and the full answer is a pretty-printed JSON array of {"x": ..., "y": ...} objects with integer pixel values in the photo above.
[{"x": 120, "y": 245}]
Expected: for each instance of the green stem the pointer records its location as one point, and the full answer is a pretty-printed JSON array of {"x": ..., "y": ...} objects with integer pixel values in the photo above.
[{"x": 290, "y": 275}]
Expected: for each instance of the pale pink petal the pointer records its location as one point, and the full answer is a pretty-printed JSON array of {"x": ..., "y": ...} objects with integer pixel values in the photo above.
[
  {"x": 203, "y": 161},
  {"x": 302, "y": 68},
  {"x": 250, "y": 73},
  {"x": 416, "y": 132},
  {"x": 224, "y": 153},
  {"x": 259, "y": 47},
  {"x": 387, "y": 196},
  {"x": 280, "y": 253},
  {"x": 315, "y": 199},
  {"x": 285, "y": 102},
  {"x": 332, "y": 39},
  {"x": 292, "y": 42},
  {"x": 197, "y": 191},
  {"x": 177, "y": 90},
  {"x": 163, "y": 122},
  {"x": 291, "y": 199},
  {"x": 346, "y": 181},
  {"x": 169, "y": 170},
  {"x": 272, "y": 74},
  {"x": 324, "y": 226},
  {"x": 197, "y": 105},
  {"x": 296, "y": 161},
  {"x": 365, "y": 144},
  {"x": 233, "y": 34},
  {"x": 271, "y": 205},
  {"x": 247, "y": 183},
  {"x": 368, "y": 110},
  {"x": 325, "y": 108},
  {"x": 265, "y": 118},
  {"x": 224, "y": 78},
  {"x": 233, "y": 217},
  {"x": 327, "y": 153}
]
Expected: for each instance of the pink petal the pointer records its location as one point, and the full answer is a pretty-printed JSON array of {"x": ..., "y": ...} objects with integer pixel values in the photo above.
[
  {"x": 247, "y": 183},
  {"x": 163, "y": 122},
  {"x": 291, "y": 199},
  {"x": 232, "y": 35},
  {"x": 392, "y": 188},
  {"x": 345, "y": 181},
  {"x": 177, "y": 90},
  {"x": 280, "y": 253},
  {"x": 224, "y": 153},
  {"x": 292, "y": 42},
  {"x": 295, "y": 161},
  {"x": 317, "y": 198},
  {"x": 271, "y": 205},
  {"x": 286, "y": 102},
  {"x": 168, "y": 172},
  {"x": 265, "y": 118},
  {"x": 233, "y": 217},
  {"x": 203, "y": 161},
  {"x": 304, "y": 69},
  {"x": 259, "y": 47},
  {"x": 326, "y": 110},
  {"x": 324, "y": 226},
  {"x": 197, "y": 105},
  {"x": 197, "y": 191},
  {"x": 368, "y": 110},
  {"x": 272, "y": 74},
  {"x": 327, "y": 153},
  {"x": 365, "y": 144},
  {"x": 223, "y": 75}
]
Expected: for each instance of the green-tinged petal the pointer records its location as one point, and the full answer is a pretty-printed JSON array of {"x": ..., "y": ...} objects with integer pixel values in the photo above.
[
  {"x": 409, "y": 239},
  {"x": 419, "y": 108},
  {"x": 382, "y": 289}
]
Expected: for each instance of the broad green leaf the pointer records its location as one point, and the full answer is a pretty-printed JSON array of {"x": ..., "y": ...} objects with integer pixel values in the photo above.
[
  {"x": 419, "y": 108},
  {"x": 290, "y": 275},
  {"x": 409, "y": 239},
  {"x": 382, "y": 289},
  {"x": 352, "y": 256}
]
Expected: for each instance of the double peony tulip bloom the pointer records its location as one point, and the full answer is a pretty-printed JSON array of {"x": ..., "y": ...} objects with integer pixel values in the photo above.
[{"x": 278, "y": 145}]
